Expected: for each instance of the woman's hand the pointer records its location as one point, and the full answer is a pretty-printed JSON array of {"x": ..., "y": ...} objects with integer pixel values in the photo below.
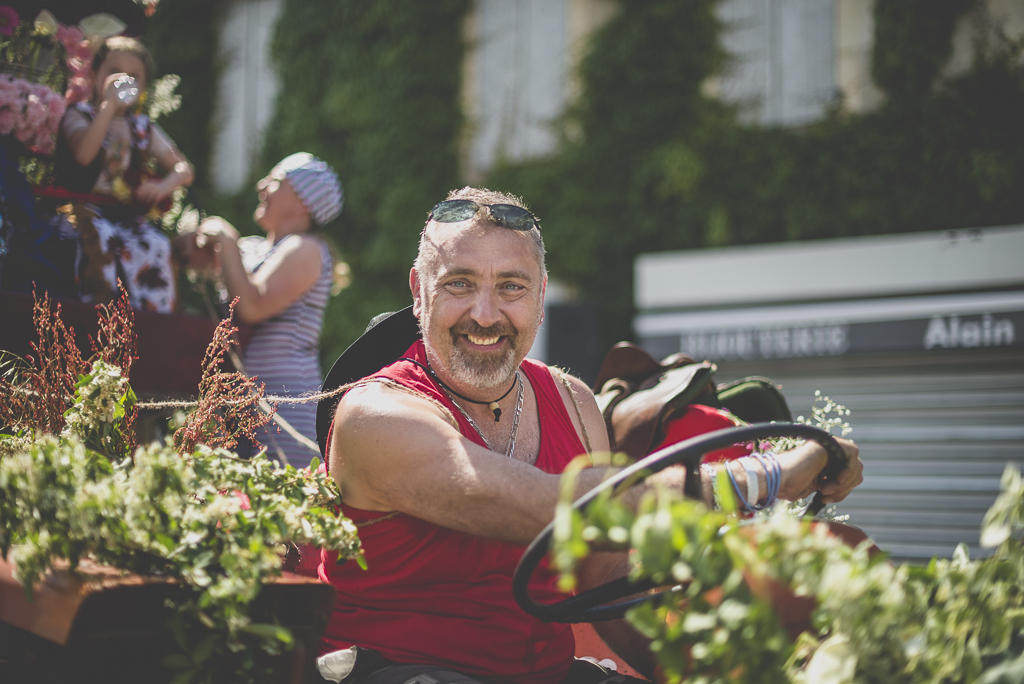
[
  {"x": 216, "y": 230},
  {"x": 802, "y": 467},
  {"x": 203, "y": 259}
]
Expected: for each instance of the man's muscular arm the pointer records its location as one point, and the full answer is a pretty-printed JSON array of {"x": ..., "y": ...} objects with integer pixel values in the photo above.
[{"x": 396, "y": 451}]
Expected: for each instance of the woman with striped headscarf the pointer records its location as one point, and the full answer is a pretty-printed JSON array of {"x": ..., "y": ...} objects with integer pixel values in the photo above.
[{"x": 282, "y": 282}]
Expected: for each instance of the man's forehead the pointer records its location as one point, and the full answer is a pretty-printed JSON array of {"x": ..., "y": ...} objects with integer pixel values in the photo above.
[
  {"x": 454, "y": 269},
  {"x": 475, "y": 246}
]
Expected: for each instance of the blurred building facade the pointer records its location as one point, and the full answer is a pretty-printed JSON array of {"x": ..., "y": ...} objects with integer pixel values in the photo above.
[{"x": 791, "y": 61}]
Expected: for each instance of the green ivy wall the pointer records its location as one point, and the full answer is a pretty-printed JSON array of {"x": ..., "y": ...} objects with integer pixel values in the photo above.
[{"x": 182, "y": 35}]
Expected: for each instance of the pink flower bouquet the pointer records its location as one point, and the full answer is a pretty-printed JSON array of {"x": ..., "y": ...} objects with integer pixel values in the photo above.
[{"x": 31, "y": 112}]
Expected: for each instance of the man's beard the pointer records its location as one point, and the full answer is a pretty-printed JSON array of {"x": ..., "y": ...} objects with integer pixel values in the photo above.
[{"x": 483, "y": 370}]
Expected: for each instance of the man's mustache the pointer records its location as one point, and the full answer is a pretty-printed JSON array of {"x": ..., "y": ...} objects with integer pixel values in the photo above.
[{"x": 496, "y": 330}]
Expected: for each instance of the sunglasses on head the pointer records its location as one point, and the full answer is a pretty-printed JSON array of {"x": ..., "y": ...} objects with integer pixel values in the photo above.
[{"x": 505, "y": 215}]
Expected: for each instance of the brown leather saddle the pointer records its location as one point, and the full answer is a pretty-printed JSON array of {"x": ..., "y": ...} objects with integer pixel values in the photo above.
[{"x": 638, "y": 396}]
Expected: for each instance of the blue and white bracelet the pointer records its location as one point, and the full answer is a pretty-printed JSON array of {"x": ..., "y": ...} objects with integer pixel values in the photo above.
[{"x": 773, "y": 479}]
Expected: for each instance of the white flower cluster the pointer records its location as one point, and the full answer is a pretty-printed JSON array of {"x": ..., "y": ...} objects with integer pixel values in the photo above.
[
  {"x": 830, "y": 417},
  {"x": 15, "y": 444},
  {"x": 96, "y": 400},
  {"x": 820, "y": 415}
]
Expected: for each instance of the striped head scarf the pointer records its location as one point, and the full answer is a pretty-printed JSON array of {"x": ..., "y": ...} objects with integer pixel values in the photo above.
[{"x": 316, "y": 184}]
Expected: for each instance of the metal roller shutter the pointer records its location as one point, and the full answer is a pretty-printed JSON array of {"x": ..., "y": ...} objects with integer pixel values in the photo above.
[{"x": 935, "y": 430}]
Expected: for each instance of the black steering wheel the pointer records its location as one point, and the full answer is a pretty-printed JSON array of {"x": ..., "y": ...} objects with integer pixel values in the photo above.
[{"x": 590, "y": 606}]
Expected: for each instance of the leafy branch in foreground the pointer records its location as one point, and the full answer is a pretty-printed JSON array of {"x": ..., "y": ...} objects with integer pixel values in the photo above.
[
  {"x": 216, "y": 523},
  {"x": 103, "y": 401},
  {"x": 954, "y": 621}
]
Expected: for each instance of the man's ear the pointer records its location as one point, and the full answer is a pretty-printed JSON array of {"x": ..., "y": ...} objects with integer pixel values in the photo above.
[{"x": 417, "y": 298}]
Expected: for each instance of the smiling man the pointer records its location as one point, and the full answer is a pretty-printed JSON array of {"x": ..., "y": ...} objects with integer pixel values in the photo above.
[{"x": 448, "y": 461}]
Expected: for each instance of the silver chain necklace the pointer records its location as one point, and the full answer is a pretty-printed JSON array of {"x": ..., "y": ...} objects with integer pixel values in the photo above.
[{"x": 511, "y": 447}]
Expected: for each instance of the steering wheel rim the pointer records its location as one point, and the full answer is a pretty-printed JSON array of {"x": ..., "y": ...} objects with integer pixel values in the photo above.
[{"x": 589, "y": 606}]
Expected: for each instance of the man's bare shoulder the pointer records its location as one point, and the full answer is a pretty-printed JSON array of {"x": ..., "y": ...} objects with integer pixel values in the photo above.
[
  {"x": 562, "y": 378},
  {"x": 383, "y": 398},
  {"x": 382, "y": 431}
]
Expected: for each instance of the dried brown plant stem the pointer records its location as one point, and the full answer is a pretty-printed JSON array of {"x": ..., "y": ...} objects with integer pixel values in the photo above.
[
  {"x": 49, "y": 375},
  {"x": 117, "y": 344},
  {"x": 228, "y": 404}
]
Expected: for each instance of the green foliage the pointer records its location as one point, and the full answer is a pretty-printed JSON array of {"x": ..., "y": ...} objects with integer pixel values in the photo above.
[
  {"x": 162, "y": 98},
  {"x": 214, "y": 522},
  {"x": 33, "y": 55},
  {"x": 183, "y": 36},
  {"x": 953, "y": 621},
  {"x": 102, "y": 401},
  {"x": 373, "y": 89},
  {"x": 650, "y": 163},
  {"x": 1006, "y": 514}
]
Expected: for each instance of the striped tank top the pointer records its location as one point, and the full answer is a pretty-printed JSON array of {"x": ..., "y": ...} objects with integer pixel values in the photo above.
[{"x": 284, "y": 353}]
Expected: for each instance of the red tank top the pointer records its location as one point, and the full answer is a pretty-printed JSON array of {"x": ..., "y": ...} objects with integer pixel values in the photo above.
[{"x": 436, "y": 596}]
